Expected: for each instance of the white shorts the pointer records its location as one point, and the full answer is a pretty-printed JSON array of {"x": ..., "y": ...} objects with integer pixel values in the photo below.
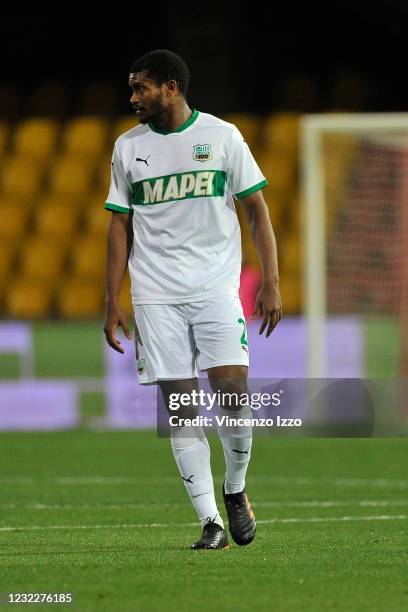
[{"x": 180, "y": 338}]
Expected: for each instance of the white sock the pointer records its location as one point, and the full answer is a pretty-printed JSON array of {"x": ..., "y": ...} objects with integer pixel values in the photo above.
[
  {"x": 192, "y": 454},
  {"x": 237, "y": 444}
]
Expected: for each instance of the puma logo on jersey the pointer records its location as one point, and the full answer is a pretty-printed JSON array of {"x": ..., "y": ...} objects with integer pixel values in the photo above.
[
  {"x": 140, "y": 159},
  {"x": 198, "y": 183}
]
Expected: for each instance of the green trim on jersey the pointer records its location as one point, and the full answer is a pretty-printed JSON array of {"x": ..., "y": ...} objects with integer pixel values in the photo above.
[
  {"x": 247, "y": 192},
  {"x": 116, "y": 208},
  {"x": 180, "y": 128},
  {"x": 181, "y": 186}
]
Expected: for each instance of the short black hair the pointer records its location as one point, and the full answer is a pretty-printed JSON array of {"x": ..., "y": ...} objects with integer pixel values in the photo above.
[{"x": 163, "y": 65}]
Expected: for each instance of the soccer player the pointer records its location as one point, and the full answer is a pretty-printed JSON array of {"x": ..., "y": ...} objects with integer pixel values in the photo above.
[{"x": 175, "y": 225}]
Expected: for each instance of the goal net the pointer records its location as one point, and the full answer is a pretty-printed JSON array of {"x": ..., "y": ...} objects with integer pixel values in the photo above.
[{"x": 355, "y": 188}]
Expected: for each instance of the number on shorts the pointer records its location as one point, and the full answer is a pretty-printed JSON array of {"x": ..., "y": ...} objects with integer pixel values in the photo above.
[{"x": 244, "y": 339}]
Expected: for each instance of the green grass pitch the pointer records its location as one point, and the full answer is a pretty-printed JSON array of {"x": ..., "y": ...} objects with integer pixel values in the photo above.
[{"x": 105, "y": 516}]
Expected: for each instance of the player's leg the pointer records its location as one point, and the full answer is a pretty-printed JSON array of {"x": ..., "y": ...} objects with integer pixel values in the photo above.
[
  {"x": 230, "y": 382},
  {"x": 165, "y": 353},
  {"x": 220, "y": 334},
  {"x": 192, "y": 454}
]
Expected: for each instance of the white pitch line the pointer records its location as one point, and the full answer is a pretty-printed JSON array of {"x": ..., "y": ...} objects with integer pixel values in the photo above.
[
  {"x": 395, "y": 517},
  {"x": 268, "y": 504},
  {"x": 279, "y": 480}
]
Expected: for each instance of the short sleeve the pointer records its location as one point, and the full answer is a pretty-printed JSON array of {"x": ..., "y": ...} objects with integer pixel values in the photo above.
[
  {"x": 119, "y": 195},
  {"x": 244, "y": 175}
]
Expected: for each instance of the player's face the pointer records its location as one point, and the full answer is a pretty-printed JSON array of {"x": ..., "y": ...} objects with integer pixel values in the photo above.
[{"x": 147, "y": 98}]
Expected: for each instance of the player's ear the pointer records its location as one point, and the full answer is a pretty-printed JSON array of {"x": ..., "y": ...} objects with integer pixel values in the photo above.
[{"x": 171, "y": 87}]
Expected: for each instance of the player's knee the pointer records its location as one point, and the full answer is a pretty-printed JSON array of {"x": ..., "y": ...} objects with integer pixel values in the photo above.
[
  {"x": 179, "y": 397},
  {"x": 187, "y": 437},
  {"x": 232, "y": 393}
]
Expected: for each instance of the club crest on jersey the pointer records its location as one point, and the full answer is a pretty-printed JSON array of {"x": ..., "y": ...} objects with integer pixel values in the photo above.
[
  {"x": 141, "y": 365},
  {"x": 202, "y": 152}
]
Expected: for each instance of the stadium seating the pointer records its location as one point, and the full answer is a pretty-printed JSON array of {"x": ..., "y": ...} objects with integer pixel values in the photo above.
[
  {"x": 49, "y": 100},
  {"x": 28, "y": 299},
  {"x": 122, "y": 125},
  {"x": 35, "y": 137},
  {"x": 10, "y": 102},
  {"x": 13, "y": 222},
  {"x": 7, "y": 258},
  {"x": 42, "y": 259},
  {"x": 60, "y": 201},
  {"x": 100, "y": 98},
  {"x": 79, "y": 299},
  {"x": 21, "y": 176},
  {"x": 85, "y": 136},
  {"x": 96, "y": 218},
  {"x": 57, "y": 222},
  {"x": 71, "y": 177},
  {"x": 125, "y": 298},
  {"x": 54, "y": 182},
  {"x": 4, "y": 134},
  {"x": 88, "y": 257},
  {"x": 281, "y": 133},
  {"x": 249, "y": 125}
]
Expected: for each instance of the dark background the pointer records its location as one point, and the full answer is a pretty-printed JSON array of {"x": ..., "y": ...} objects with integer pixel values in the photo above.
[{"x": 243, "y": 56}]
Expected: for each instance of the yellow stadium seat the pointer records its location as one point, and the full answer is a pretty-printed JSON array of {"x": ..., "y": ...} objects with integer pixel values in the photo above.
[
  {"x": 21, "y": 176},
  {"x": 291, "y": 294},
  {"x": 275, "y": 206},
  {"x": 7, "y": 259},
  {"x": 279, "y": 171},
  {"x": 71, "y": 177},
  {"x": 104, "y": 174},
  {"x": 85, "y": 136},
  {"x": 57, "y": 221},
  {"x": 80, "y": 298},
  {"x": 296, "y": 213},
  {"x": 281, "y": 133},
  {"x": 125, "y": 298},
  {"x": 88, "y": 257},
  {"x": 122, "y": 125},
  {"x": 290, "y": 254},
  {"x": 249, "y": 254},
  {"x": 36, "y": 137},
  {"x": 4, "y": 134},
  {"x": 60, "y": 201},
  {"x": 97, "y": 220},
  {"x": 13, "y": 222},
  {"x": 13, "y": 201},
  {"x": 249, "y": 125},
  {"x": 28, "y": 299},
  {"x": 42, "y": 259}
]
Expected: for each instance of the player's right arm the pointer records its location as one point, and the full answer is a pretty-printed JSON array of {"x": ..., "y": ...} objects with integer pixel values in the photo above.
[{"x": 120, "y": 238}]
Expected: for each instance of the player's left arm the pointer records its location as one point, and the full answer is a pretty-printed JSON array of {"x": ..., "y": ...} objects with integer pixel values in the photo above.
[{"x": 268, "y": 302}]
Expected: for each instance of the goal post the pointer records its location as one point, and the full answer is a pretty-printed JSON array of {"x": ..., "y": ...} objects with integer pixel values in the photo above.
[{"x": 354, "y": 184}]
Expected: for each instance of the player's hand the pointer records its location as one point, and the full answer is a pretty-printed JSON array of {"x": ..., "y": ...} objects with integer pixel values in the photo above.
[
  {"x": 269, "y": 305},
  {"x": 114, "y": 318}
]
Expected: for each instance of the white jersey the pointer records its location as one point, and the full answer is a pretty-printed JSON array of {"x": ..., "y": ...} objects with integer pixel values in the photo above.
[{"x": 179, "y": 186}]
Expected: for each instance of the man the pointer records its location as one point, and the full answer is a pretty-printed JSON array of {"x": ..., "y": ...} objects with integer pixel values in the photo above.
[{"x": 174, "y": 223}]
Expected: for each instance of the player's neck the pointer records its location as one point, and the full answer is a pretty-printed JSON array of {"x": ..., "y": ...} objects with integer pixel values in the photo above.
[{"x": 175, "y": 117}]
